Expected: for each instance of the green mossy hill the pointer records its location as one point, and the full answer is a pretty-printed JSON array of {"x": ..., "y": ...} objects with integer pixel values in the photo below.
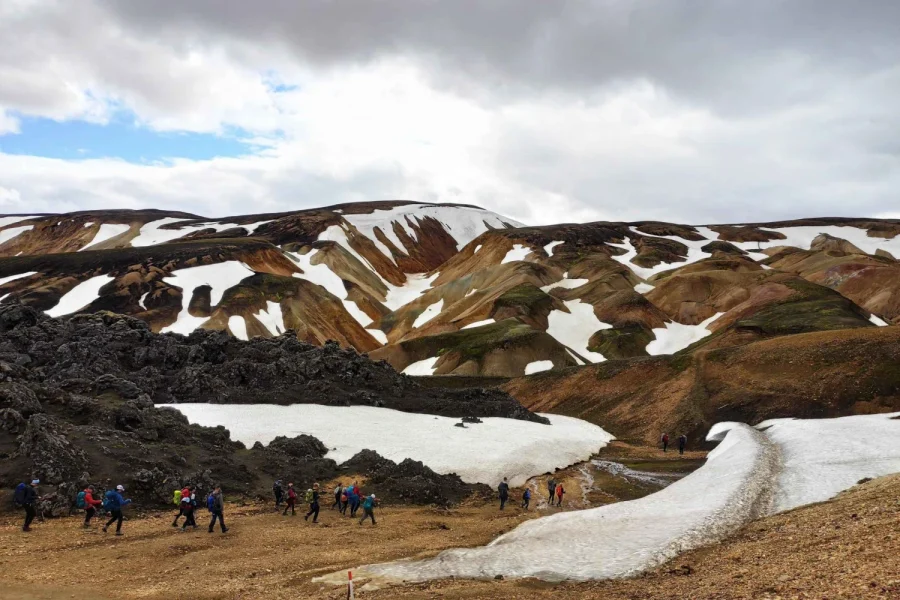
[
  {"x": 724, "y": 247},
  {"x": 475, "y": 343},
  {"x": 526, "y": 297},
  {"x": 622, "y": 342}
]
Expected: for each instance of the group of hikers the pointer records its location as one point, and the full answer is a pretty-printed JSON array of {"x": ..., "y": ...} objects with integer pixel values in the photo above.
[
  {"x": 349, "y": 497},
  {"x": 26, "y": 497},
  {"x": 682, "y": 442},
  {"x": 555, "y": 491}
]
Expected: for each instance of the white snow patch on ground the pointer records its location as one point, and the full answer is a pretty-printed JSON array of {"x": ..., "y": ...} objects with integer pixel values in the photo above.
[
  {"x": 106, "y": 231},
  {"x": 802, "y": 237},
  {"x": 575, "y": 328},
  {"x": 320, "y": 274},
  {"x": 823, "y": 457},
  {"x": 549, "y": 247},
  {"x": 878, "y": 321},
  {"x": 416, "y": 285},
  {"x": 575, "y": 357},
  {"x": 141, "y": 300},
  {"x": 238, "y": 326},
  {"x": 8, "y": 234},
  {"x": 479, "y": 323},
  {"x": 14, "y": 277},
  {"x": 694, "y": 253},
  {"x": 5, "y": 221},
  {"x": 378, "y": 335},
  {"x": 220, "y": 277},
  {"x": 480, "y": 453},
  {"x": 643, "y": 288},
  {"x": 429, "y": 313},
  {"x": 538, "y": 366},
  {"x": 675, "y": 336},
  {"x": 272, "y": 318},
  {"x": 89, "y": 223},
  {"x": 151, "y": 234},
  {"x": 79, "y": 296},
  {"x": 422, "y": 367},
  {"x": 518, "y": 252},
  {"x": 477, "y": 248},
  {"x": 566, "y": 283}
]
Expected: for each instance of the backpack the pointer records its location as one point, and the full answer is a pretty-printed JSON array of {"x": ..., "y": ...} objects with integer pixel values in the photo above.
[
  {"x": 176, "y": 498},
  {"x": 210, "y": 502},
  {"x": 109, "y": 504},
  {"x": 309, "y": 496},
  {"x": 527, "y": 494},
  {"x": 19, "y": 496},
  {"x": 79, "y": 500}
]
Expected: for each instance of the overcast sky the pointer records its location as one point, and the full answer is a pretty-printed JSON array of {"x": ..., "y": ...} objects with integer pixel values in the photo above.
[{"x": 546, "y": 111}]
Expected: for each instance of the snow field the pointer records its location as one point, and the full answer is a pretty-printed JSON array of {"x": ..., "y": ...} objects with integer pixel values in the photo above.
[
  {"x": 479, "y": 324},
  {"x": 549, "y": 247},
  {"x": 79, "y": 296},
  {"x": 8, "y": 234},
  {"x": 480, "y": 453},
  {"x": 876, "y": 320},
  {"x": 518, "y": 252},
  {"x": 422, "y": 367},
  {"x": 320, "y": 274},
  {"x": 538, "y": 366},
  {"x": 415, "y": 286},
  {"x": 220, "y": 277},
  {"x": 675, "y": 336},
  {"x": 272, "y": 318},
  {"x": 107, "y": 231},
  {"x": 6, "y": 221},
  {"x": 429, "y": 313},
  {"x": 575, "y": 328},
  {"x": 9, "y": 278},
  {"x": 803, "y": 236},
  {"x": 238, "y": 326},
  {"x": 566, "y": 283},
  {"x": 643, "y": 288},
  {"x": 151, "y": 234}
]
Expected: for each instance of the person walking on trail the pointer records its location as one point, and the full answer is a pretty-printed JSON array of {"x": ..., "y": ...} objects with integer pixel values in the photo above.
[
  {"x": 560, "y": 492},
  {"x": 26, "y": 496},
  {"x": 338, "y": 491},
  {"x": 313, "y": 497},
  {"x": 114, "y": 504},
  {"x": 551, "y": 489},
  {"x": 682, "y": 442},
  {"x": 279, "y": 493},
  {"x": 185, "y": 494},
  {"x": 345, "y": 500},
  {"x": 368, "y": 510},
  {"x": 503, "y": 491},
  {"x": 189, "y": 508},
  {"x": 665, "y": 442},
  {"x": 526, "y": 498},
  {"x": 353, "y": 499},
  {"x": 291, "y": 500},
  {"x": 216, "y": 505},
  {"x": 91, "y": 505}
]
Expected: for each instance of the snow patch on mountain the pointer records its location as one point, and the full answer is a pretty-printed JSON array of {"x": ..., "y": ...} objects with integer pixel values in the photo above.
[
  {"x": 518, "y": 252},
  {"x": 429, "y": 313},
  {"x": 575, "y": 328},
  {"x": 220, "y": 277},
  {"x": 676, "y": 336},
  {"x": 107, "y": 231},
  {"x": 538, "y": 366},
  {"x": 79, "y": 296}
]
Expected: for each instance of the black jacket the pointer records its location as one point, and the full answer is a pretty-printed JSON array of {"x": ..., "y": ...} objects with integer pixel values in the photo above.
[
  {"x": 503, "y": 488},
  {"x": 30, "y": 496}
]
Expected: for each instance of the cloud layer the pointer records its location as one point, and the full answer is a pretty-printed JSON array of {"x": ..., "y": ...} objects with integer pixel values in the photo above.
[{"x": 683, "y": 111}]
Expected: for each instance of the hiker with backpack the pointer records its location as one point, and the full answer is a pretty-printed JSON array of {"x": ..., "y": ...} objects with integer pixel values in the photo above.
[
  {"x": 526, "y": 498},
  {"x": 551, "y": 489},
  {"x": 368, "y": 510},
  {"x": 291, "y": 500},
  {"x": 312, "y": 497},
  {"x": 89, "y": 504},
  {"x": 114, "y": 503},
  {"x": 560, "y": 492},
  {"x": 682, "y": 442},
  {"x": 26, "y": 497},
  {"x": 279, "y": 493},
  {"x": 345, "y": 500},
  {"x": 178, "y": 498},
  {"x": 665, "y": 442},
  {"x": 338, "y": 492},
  {"x": 215, "y": 504},
  {"x": 353, "y": 498},
  {"x": 503, "y": 490},
  {"x": 188, "y": 508}
]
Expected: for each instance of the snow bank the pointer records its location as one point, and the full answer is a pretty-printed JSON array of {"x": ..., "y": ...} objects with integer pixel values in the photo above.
[
  {"x": 538, "y": 366},
  {"x": 480, "y": 453},
  {"x": 320, "y": 274},
  {"x": 675, "y": 336},
  {"x": 238, "y": 327},
  {"x": 694, "y": 252},
  {"x": 802, "y": 237},
  {"x": 876, "y": 320},
  {"x": 823, "y": 457},
  {"x": 619, "y": 539},
  {"x": 8, "y": 234},
  {"x": 565, "y": 282},
  {"x": 6, "y": 221},
  {"x": 429, "y": 313},
  {"x": 4, "y": 280},
  {"x": 378, "y": 335},
  {"x": 643, "y": 288},
  {"x": 79, "y": 296},
  {"x": 422, "y": 367},
  {"x": 549, "y": 247},
  {"x": 415, "y": 286},
  {"x": 220, "y": 277},
  {"x": 575, "y": 328},
  {"x": 479, "y": 323},
  {"x": 518, "y": 252},
  {"x": 272, "y": 318},
  {"x": 107, "y": 231},
  {"x": 151, "y": 234}
]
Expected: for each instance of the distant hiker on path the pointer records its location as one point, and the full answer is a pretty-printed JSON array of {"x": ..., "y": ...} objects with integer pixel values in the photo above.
[
  {"x": 665, "y": 442},
  {"x": 216, "y": 506},
  {"x": 313, "y": 497},
  {"x": 345, "y": 501},
  {"x": 682, "y": 442},
  {"x": 368, "y": 510},
  {"x": 353, "y": 498},
  {"x": 188, "y": 506},
  {"x": 185, "y": 493},
  {"x": 503, "y": 490},
  {"x": 279, "y": 493},
  {"x": 551, "y": 489},
  {"x": 560, "y": 492},
  {"x": 526, "y": 499},
  {"x": 26, "y": 497},
  {"x": 291, "y": 500},
  {"x": 91, "y": 505},
  {"x": 114, "y": 504},
  {"x": 338, "y": 491}
]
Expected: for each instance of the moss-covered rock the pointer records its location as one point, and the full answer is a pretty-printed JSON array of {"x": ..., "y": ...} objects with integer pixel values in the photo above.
[{"x": 622, "y": 342}]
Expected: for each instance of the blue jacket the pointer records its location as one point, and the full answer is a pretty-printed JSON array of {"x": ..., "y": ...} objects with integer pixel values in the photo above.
[
  {"x": 115, "y": 501},
  {"x": 369, "y": 503}
]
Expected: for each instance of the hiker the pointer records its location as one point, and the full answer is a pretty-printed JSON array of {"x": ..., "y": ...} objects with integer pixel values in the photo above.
[
  {"x": 180, "y": 496},
  {"x": 26, "y": 497},
  {"x": 338, "y": 491},
  {"x": 216, "y": 506},
  {"x": 665, "y": 442},
  {"x": 90, "y": 505},
  {"x": 503, "y": 490},
  {"x": 312, "y": 497},
  {"x": 188, "y": 505},
  {"x": 682, "y": 442},
  {"x": 114, "y": 504},
  {"x": 526, "y": 498},
  {"x": 291, "y": 500},
  {"x": 353, "y": 498},
  {"x": 345, "y": 500},
  {"x": 279, "y": 493},
  {"x": 368, "y": 510},
  {"x": 551, "y": 489},
  {"x": 560, "y": 492}
]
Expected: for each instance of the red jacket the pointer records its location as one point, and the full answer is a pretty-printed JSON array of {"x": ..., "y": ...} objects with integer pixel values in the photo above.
[
  {"x": 292, "y": 495},
  {"x": 89, "y": 499}
]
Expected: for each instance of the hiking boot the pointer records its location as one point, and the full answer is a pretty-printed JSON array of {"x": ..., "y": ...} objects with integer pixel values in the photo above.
[
  {"x": 306, "y": 517},
  {"x": 119, "y": 533},
  {"x": 104, "y": 529},
  {"x": 210, "y": 530},
  {"x": 26, "y": 529},
  {"x": 86, "y": 526},
  {"x": 225, "y": 530}
]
